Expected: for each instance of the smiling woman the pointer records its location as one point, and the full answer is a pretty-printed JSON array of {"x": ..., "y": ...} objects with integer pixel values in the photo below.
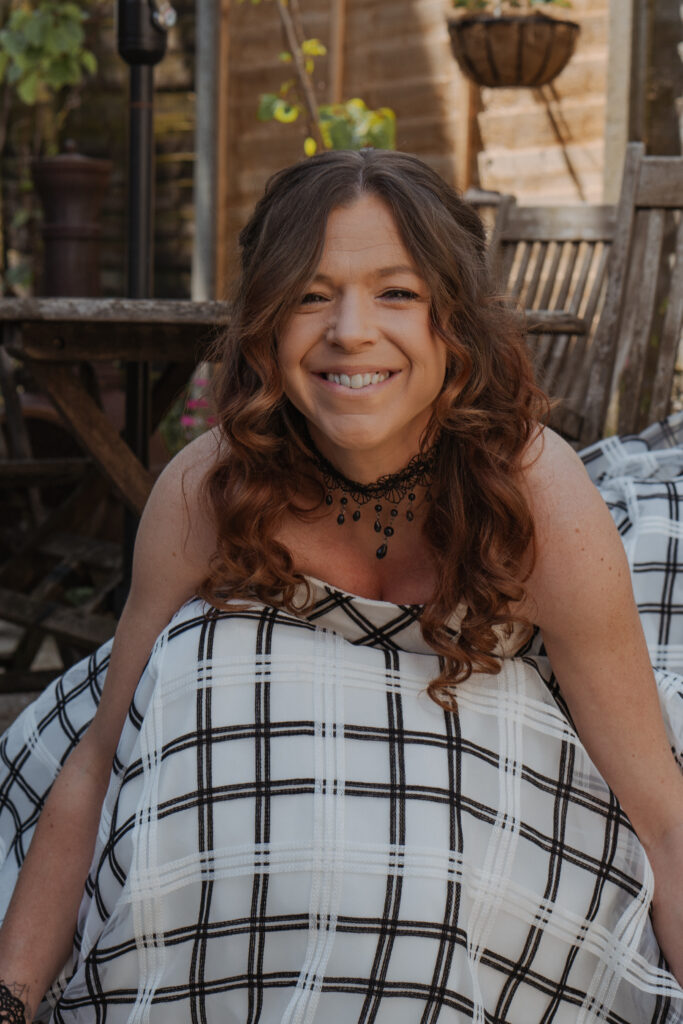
[
  {"x": 382, "y": 772},
  {"x": 359, "y": 358}
]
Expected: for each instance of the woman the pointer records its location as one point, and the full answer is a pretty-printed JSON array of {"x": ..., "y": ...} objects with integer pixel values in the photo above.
[{"x": 349, "y": 787}]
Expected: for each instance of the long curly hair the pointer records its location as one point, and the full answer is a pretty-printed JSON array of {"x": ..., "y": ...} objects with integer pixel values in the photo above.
[{"x": 479, "y": 525}]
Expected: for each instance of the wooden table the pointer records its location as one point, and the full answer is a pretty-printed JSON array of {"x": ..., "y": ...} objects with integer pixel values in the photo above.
[{"x": 51, "y": 337}]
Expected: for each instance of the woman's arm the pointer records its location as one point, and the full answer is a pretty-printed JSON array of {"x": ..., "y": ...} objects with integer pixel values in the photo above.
[
  {"x": 580, "y": 595},
  {"x": 174, "y": 544}
]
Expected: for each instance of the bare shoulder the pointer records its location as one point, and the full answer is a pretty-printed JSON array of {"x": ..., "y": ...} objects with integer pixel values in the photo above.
[
  {"x": 557, "y": 484},
  {"x": 177, "y": 532},
  {"x": 579, "y": 557}
]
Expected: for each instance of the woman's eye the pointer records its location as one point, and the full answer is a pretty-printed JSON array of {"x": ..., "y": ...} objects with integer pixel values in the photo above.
[
  {"x": 312, "y": 297},
  {"x": 400, "y": 293}
]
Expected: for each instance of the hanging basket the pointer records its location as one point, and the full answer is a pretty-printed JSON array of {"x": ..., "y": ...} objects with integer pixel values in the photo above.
[{"x": 512, "y": 50}]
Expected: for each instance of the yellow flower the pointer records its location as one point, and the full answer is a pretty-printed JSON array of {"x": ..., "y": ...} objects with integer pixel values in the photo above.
[
  {"x": 310, "y": 146},
  {"x": 285, "y": 112},
  {"x": 313, "y": 48}
]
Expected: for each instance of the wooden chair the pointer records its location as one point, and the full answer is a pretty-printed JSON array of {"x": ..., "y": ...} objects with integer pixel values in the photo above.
[
  {"x": 593, "y": 281},
  {"x": 637, "y": 339},
  {"x": 553, "y": 260}
]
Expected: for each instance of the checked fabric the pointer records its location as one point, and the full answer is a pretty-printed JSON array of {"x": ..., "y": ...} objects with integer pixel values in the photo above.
[{"x": 295, "y": 832}]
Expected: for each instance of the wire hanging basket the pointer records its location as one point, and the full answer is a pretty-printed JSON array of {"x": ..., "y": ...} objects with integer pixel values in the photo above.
[{"x": 512, "y": 49}]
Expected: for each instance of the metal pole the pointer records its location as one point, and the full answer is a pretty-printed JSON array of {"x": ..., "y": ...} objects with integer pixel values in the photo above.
[{"x": 142, "y": 28}]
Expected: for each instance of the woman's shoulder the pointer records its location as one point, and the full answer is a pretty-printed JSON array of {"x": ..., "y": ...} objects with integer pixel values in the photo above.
[
  {"x": 578, "y": 552},
  {"x": 192, "y": 463},
  {"x": 178, "y": 517},
  {"x": 554, "y": 476}
]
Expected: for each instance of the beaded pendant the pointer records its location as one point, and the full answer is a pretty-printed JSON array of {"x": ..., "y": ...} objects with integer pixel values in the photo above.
[{"x": 388, "y": 493}]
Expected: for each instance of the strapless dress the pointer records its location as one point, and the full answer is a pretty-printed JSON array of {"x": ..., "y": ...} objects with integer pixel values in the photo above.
[{"x": 295, "y": 832}]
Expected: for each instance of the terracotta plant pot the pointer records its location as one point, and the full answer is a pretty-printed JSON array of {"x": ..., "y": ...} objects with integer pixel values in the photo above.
[
  {"x": 71, "y": 188},
  {"x": 512, "y": 50}
]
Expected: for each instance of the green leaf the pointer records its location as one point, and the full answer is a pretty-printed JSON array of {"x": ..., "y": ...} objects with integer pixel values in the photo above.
[
  {"x": 89, "y": 62},
  {"x": 67, "y": 37},
  {"x": 266, "y": 106},
  {"x": 38, "y": 28},
  {"x": 285, "y": 57},
  {"x": 72, "y": 11},
  {"x": 4, "y": 60},
  {"x": 341, "y": 135},
  {"x": 382, "y": 133},
  {"x": 63, "y": 71},
  {"x": 14, "y": 74},
  {"x": 13, "y": 43},
  {"x": 28, "y": 88}
]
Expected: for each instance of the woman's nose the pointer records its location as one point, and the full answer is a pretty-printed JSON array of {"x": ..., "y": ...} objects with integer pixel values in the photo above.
[{"x": 354, "y": 323}]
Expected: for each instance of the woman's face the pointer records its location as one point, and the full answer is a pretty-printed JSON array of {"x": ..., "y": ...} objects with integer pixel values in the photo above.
[{"x": 358, "y": 356}]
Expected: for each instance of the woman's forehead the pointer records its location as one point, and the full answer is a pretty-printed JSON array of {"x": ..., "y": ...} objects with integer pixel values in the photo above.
[{"x": 365, "y": 232}]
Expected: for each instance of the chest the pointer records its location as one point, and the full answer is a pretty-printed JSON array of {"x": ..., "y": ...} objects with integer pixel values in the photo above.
[{"x": 345, "y": 556}]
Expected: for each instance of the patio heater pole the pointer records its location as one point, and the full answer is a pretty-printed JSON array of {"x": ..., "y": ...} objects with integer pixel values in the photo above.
[{"x": 142, "y": 29}]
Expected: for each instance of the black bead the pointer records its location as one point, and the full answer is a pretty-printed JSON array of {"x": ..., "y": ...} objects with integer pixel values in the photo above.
[
  {"x": 378, "y": 526},
  {"x": 394, "y": 512},
  {"x": 328, "y": 499},
  {"x": 411, "y": 497},
  {"x": 381, "y": 551},
  {"x": 378, "y": 508},
  {"x": 409, "y": 516},
  {"x": 356, "y": 515},
  {"x": 340, "y": 518},
  {"x": 388, "y": 531},
  {"x": 343, "y": 501}
]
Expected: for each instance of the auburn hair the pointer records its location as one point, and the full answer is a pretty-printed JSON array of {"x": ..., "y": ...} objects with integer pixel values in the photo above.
[{"x": 479, "y": 524}]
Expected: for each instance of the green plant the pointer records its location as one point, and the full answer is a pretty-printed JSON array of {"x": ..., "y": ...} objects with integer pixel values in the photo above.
[
  {"x": 44, "y": 60},
  {"x": 346, "y": 125}
]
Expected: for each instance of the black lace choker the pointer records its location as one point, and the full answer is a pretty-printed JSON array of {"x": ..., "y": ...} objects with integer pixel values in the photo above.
[{"x": 390, "y": 490}]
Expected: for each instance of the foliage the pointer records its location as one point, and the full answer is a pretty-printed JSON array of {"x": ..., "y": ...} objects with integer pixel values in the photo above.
[
  {"x": 348, "y": 125},
  {"x": 43, "y": 56},
  {"x": 345, "y": 125}
]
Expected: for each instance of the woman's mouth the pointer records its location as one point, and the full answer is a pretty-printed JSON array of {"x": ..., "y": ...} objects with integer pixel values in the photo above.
[{"x": 356, "y": 380}]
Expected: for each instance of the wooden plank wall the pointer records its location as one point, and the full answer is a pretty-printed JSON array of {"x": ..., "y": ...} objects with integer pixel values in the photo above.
[
  {"x": 521, "y": 152},
  {"x": 397, "y": 54}
]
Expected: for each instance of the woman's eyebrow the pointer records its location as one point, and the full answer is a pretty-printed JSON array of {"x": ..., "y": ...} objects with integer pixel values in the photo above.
[{"x": 398, "y": 268}]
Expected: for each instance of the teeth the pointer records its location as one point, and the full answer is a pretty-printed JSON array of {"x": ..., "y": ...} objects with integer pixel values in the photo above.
[{"x": 358, "y": 380}]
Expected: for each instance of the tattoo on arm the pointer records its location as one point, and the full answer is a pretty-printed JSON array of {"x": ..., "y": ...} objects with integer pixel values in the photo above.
[{"x": 13, "y": 1004}]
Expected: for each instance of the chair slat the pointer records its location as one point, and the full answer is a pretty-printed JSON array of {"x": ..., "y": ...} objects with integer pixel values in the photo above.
[
  {"x": 673, "y": 322},
  {"x": 522, "y": 267},
  {"x": 632, "y": 377},
  {"x": 534, "y": 280},
  {"x": 606, "y": 335}
]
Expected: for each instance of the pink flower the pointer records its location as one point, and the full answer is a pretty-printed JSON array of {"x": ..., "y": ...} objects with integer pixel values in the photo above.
[
  {"x": 200, "y": 382},
  {"x": 211, "y": 421},
  {"x": 197, "y": 403},
  {"x": 187, "y": 421}
]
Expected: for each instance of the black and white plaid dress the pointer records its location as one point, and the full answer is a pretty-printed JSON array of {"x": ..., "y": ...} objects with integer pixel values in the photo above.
[{"x": 295, "y": 832}]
